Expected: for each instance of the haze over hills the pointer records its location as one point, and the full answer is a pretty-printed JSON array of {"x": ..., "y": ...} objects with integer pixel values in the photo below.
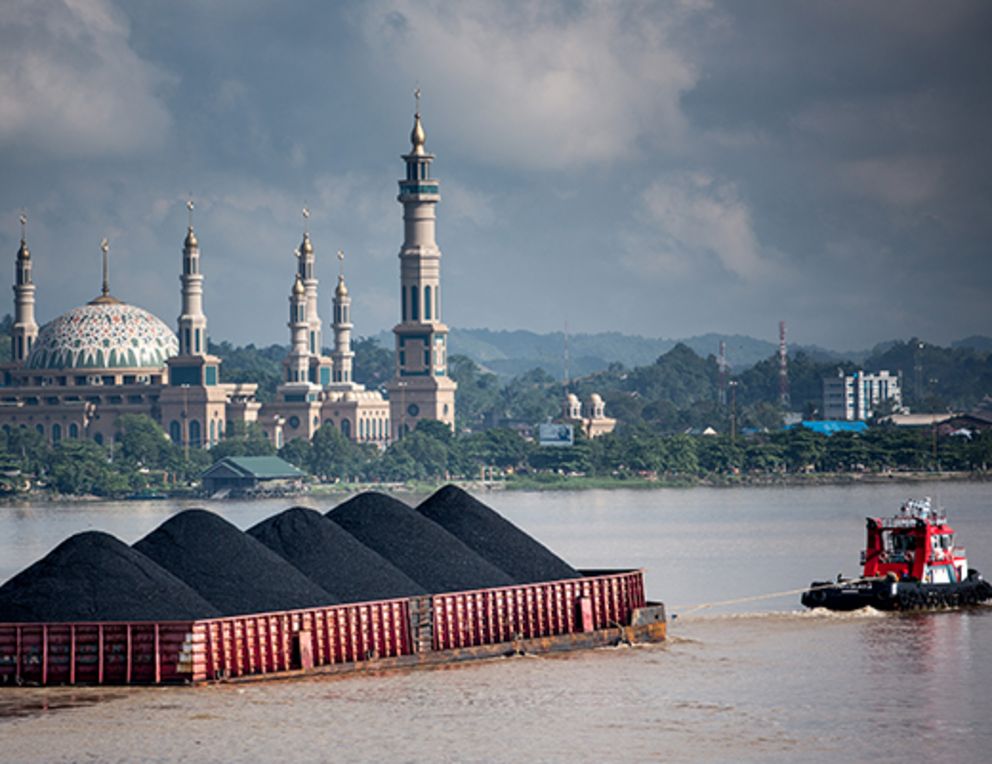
[{"x": 510, "y": 353}]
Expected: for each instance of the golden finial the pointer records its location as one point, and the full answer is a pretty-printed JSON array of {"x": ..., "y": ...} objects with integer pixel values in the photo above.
[
  {"x": 417, "y": 136},
  {"x": 189, "y": 209},
  {"x": 24, "y": 223},
  {"x": 306, "y": 219},
  {"x": 341, "y": 263}
]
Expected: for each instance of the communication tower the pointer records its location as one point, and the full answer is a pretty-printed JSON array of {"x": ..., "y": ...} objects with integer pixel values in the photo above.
[
  {"x": 723, "y": 369},
  {"x": 783, "y": 366}
]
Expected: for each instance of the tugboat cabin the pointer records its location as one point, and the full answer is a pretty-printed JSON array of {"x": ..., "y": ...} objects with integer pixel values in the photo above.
[{"x": 915, "y": 545}]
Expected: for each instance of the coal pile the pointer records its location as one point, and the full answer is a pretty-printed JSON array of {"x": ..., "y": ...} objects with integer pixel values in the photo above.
[
  {"x": 230, "y": 569},
  {"x": 94, "y": 576},
  {"x": 420, "y": 548},
  {"x": 332, "y": 557},
  {"x": 493, "y": 537}
]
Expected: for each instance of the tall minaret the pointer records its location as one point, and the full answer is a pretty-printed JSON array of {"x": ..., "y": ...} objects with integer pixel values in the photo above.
[
  {"x": 297, "y": 363},
  {"x": 192, "y": 320},
  {"x": 342, "y": 354},
  {"x": 25, "y": 329},
  {"x": 308, "y": 276},
  {"x": 422, "y": 388}
]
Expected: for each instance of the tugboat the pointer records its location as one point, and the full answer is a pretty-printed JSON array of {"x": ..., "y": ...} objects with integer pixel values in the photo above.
[{"x": 909, "y": 563}]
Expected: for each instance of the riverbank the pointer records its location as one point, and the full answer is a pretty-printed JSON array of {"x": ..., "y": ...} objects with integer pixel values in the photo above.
[{"x": 545, "y": 483}]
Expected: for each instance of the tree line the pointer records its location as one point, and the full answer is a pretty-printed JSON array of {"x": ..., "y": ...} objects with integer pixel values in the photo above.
[{"x": 144, "y": 458}]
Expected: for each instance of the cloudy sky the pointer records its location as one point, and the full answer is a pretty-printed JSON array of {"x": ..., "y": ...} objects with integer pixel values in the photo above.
[{"x": 663, "y": 169}]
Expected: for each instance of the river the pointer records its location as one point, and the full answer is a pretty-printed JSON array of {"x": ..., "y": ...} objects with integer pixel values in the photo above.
[{"x": 755, "y": 679}]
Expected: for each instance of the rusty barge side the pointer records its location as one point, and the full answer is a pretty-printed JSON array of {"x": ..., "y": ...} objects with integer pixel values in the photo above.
[{"x": 602, "y": 608}]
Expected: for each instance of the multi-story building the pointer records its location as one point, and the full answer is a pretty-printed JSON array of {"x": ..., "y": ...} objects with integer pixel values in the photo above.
[{"x": 856, "y": 396}]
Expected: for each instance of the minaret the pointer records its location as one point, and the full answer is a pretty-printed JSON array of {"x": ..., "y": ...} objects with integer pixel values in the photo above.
[
  {"x": 192, "y": 320},
  {"x": 309, "y": 278},
  {"x": 298, "y": 361},
  {"x": 421, "y": 389},
  {"x": 25, "y": 329},
  {"x": 342, "y": 325}
]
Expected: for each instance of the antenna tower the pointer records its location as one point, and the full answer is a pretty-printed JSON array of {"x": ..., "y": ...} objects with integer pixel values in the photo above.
[
  {"x": 723, "y": 368},
  {"x": 565, "y": 358},
  {"x": 783, "y": 366}
]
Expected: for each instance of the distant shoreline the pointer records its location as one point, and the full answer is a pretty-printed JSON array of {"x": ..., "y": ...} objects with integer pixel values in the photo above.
[{"x": 558, "y": 483}]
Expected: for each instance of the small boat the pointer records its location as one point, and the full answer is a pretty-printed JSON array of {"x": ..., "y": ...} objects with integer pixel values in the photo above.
[{"x": 910, "y": 562}]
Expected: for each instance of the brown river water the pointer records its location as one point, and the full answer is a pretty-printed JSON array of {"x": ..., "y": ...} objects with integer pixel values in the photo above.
[{"x": 753, "y": 680}]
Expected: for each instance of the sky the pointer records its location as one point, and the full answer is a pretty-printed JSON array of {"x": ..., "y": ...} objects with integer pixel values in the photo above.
[{"x": 660, "y": 168}]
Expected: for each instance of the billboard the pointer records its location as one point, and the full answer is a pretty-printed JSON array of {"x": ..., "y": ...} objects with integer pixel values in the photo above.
[{"x": 555, "y": 435}]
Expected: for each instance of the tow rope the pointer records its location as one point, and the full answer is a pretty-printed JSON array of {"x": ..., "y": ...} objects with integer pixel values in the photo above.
[{"x": 757, "y": 597}]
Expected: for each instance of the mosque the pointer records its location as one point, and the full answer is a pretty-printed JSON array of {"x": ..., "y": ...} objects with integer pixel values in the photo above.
[{"x": 78, "y": 374}]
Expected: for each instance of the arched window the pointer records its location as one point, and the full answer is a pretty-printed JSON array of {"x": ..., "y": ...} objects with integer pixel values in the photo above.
[
  {"x": 195, "y": 438},
  {"x": 56, "y": 433},
  {"x": 41, "y": 429},
  {"x": 98, "y": 438},
  {"x": 346, "y": 428},
  {"x": 329, "y": 423},
  {"x": 428, "y": 303},
  {"x": 73, "y": 430},
  {"x": 414, "y": 305},
  {"x": 175, "y": 432},
  {"x": 403, "y": 300}
]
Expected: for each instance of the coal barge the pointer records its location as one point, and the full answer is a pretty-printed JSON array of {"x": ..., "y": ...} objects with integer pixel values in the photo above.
[
  {"x": 910, "y": 562},
  {"x": 192, "y": 602}
]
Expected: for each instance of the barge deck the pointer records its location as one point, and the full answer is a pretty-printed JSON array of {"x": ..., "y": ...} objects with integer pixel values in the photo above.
[{"x": 602, "y": 608}]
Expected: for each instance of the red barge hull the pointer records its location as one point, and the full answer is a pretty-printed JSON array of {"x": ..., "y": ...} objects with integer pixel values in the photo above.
[{"x": 602, "y": 608}]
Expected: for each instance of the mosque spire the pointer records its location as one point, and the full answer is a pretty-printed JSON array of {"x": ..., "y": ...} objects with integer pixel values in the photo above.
[
  {"x": 25, "y": 329},
  {"x": 192, "y": 320},
  {"x": 105, "y": 248},
  {"x": 422, "y": 388},
  {"x": 343, "y": 356},
  {"x": 297, "y": 363},
  {"x": 307, "y": 270}
]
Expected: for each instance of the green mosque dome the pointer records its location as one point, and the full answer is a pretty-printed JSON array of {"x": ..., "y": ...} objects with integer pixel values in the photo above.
[{"x": 103, "y": 334}]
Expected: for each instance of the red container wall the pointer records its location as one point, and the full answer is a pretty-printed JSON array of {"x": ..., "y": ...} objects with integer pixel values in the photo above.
[
  {"x": 94, "y": 653},
  {"x": 152, "y": 653},
  {"x": 488, "y": 616},
  {"x": 262, "y": 644}
]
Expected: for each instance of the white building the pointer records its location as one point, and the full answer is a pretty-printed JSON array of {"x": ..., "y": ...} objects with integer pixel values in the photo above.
[{"x": 856, "y": 396}]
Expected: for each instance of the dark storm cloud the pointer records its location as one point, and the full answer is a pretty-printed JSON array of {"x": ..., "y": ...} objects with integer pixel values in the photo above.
[{"x": 663, "y": 169}]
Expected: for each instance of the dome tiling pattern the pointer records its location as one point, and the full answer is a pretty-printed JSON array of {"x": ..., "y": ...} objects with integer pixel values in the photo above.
[{"x": 103, "y": 336}]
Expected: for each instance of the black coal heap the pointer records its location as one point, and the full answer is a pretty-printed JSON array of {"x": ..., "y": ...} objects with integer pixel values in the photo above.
[
  {"x": 94, "y": 576},
  {"x": 229, "y": 568},
  {"x": 332, "y": 557},
  {"x": 494, "y": 537},
  {"x": 419, "y": 547}
]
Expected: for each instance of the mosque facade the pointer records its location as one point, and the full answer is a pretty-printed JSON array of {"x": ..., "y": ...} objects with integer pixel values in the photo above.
[{"x": 77, "y": 375}]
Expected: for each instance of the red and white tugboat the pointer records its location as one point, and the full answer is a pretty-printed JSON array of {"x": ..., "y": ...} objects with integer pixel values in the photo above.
[{"x": 910, "y": 562}]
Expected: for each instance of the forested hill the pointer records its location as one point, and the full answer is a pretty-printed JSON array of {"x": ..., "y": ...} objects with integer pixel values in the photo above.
[{"x": 511, "y": 353}]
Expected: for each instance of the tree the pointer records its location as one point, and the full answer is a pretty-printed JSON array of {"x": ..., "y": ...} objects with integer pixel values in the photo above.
[
  {"x": 417, "y": 456},
  {"x": 243, "y": 440},
  {"x": 144, "y": 443},
  {"x": 297, "y": 452},
  {"x": 333, "y": 456},
  {"x": 374, "y": 366},
  {"x": 478, "y": 395},
  {"x": 28, "y": 447},
  {"x": 81, "y": 467}
]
